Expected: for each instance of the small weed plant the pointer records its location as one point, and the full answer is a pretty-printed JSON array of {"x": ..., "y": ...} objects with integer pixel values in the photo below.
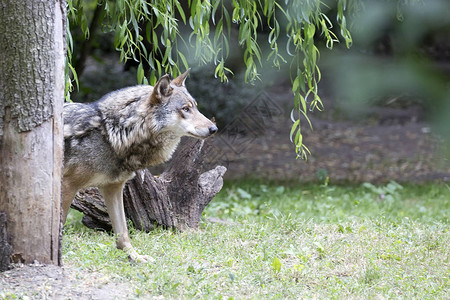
[{"x": 289, "y": 241}]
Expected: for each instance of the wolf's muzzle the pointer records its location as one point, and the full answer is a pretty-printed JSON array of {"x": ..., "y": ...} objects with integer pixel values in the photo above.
[{"x": 212, "y": 129}]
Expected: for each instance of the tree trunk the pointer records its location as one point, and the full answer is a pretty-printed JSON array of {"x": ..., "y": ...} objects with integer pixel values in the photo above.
[
  {"x": 32, "y": 58},
  {"x": 176, "y": 199}
]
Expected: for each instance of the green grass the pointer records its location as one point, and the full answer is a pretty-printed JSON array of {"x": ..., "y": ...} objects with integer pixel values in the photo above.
[{"x": 289, "y": 241}]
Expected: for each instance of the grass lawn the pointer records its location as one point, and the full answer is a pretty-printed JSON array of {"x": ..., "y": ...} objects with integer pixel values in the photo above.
[{"x": 292, "y": 241}]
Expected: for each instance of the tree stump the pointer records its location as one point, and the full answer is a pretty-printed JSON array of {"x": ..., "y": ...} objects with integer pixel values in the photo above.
[{"x": 175, "y": 199}]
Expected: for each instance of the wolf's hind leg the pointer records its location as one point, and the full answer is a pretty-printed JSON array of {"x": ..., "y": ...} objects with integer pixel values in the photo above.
[{"x": 113, "y": 196}]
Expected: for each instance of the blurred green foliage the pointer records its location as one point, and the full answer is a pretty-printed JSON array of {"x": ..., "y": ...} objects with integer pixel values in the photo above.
[{"x": 400, "y": 56}]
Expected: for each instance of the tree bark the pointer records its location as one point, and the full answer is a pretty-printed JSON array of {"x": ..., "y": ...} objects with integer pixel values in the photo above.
[
  {"x": 32, "y": 58},
  {"x": 5, "y": 247},
  {"x": 176, "y": 199}
]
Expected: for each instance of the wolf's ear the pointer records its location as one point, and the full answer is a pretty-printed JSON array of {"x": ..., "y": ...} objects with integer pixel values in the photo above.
[
  {"x": 161, "y": 89},
  {"x": 179, "y": 81}
]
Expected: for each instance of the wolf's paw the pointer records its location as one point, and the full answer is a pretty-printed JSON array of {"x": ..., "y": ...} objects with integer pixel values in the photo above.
[
  {"x": 133, "y": 256},
  {"x": 143, "y": 259}
]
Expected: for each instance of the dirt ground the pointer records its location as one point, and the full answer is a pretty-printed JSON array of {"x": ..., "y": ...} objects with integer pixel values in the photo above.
[
  {"x": 388, "y": 144},
  {"x": 38, "y": 281}
]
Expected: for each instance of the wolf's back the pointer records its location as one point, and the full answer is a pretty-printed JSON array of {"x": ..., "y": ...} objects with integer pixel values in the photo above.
[
  {"x": 87, "y": 151},
  {"x": 80, "y": 118},
  {"x": 109, "y": 136}
]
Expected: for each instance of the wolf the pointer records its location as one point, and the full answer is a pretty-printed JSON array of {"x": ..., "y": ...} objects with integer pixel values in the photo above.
[{"x": 107, "y": 141}]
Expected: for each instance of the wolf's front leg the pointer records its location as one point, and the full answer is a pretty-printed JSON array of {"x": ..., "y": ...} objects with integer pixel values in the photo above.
[
  {"x": 68, "y": 191},
  {"x": 112, "y": 194}
]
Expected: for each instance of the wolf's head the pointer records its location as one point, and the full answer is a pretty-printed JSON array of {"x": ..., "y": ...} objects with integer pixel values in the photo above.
[{"x": 177, "y": 109}]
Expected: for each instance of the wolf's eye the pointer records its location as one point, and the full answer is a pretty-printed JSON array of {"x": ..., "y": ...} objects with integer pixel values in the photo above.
[{"x": 186, "y": 108}]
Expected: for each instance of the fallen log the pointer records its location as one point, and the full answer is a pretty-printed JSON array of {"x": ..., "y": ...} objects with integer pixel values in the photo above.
[{"x": 175, "y": 199}]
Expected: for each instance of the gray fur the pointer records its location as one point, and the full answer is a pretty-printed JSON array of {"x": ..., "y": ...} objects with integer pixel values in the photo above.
[{"x": 125, "y": 129}]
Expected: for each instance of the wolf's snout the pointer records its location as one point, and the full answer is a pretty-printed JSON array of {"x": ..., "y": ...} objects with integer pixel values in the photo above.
[{"x": 213, "y": 129}]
